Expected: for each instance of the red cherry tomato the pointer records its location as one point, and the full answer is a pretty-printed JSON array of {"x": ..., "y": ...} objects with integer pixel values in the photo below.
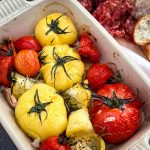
[
  {"x": 98, "y": 75},
  {"x": 53, "y": 144},
  {"x": 87, "y": 49},
  {"x": 7, "y": 52},
  {"x": 27, "y": 42},
  {"x": 119, "y": 117},
  {"x": 6, "y": 64}
]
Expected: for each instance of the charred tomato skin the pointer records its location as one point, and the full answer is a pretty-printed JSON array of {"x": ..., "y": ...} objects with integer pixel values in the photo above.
[
  {"x": 98, "y": 75},
  {"x": 114, "y": 124}
]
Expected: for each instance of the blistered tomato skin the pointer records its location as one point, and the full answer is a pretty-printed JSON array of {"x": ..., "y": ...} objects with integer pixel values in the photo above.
[
  {"x": 7, "y": 53},
  {"x": 6, "y": 64},
  {"x": 87, "y": 48},
  {"x": 117, "y": 125},
  {"x": 27, "y": 42},
  {"x": 26, "y": 63},
  {"x": 98, "y": 75},
  {"x": 53, "y": 144}
]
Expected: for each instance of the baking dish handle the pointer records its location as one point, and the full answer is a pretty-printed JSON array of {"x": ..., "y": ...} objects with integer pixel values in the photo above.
[
  {"x": 33, "y": 2},
  {"x": 9, "y": 9},
  {"x": 143, "y": 143}
]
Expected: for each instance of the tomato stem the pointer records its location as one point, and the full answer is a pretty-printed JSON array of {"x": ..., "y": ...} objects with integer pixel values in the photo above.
[
  {"x": 39, "y": 107},
  {"x": 114, "y": 101},
  {"x": 60, "y": 62},
  {"x": 54, "y": 26}
]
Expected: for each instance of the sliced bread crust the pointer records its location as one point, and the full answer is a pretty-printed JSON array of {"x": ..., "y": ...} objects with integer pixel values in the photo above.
[{"x": 142, "y": 31}]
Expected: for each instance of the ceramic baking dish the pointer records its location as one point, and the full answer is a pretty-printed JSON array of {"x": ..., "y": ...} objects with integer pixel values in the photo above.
[{"x": 18, "y": 18}]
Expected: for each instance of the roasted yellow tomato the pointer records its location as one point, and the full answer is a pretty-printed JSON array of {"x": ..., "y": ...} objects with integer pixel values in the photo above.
[
  {"x": 78, "y": 96},
  {"x": 41, "y": 112},
  {"x": 55, "y": 29},
  {"x": 63, "y": 66}
]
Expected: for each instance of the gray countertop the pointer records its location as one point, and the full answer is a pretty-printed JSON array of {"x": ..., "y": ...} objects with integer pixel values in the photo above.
[{"x": 5, "y": 141}]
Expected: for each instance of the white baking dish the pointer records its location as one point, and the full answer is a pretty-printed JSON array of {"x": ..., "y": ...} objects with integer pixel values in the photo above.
[{"x": 22, "y": 22}]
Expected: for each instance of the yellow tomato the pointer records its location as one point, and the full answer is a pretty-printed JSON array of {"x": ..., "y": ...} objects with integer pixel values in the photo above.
[
  {"x": 55, "y": 29},
  {"x": 41, "y": 112},
  {"x": 63, "y": 66}
]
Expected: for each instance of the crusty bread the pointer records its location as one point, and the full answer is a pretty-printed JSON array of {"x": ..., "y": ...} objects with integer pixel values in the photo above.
[
  {"x": 142, "y": 31},
  {"x": 146, "y": 49}
]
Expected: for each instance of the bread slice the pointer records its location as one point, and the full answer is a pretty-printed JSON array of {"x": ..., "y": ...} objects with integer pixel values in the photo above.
[
  {"x": 146, "y": 49},
  {"x": 142, "y": 31}
]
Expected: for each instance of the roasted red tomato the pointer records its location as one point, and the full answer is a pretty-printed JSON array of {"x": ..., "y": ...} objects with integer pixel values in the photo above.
[
  {"x": 54, "y": 143},
  {"x": 116, "y": 114},
  {"x": 87, "y": 48},
  {"x": 27, "y": 42},
  {"x": 7, "y": 53},
  {"x": 98, "y": 75},
  {"x": 5, "y": 66},
  {"x": 27, "y": 63}
]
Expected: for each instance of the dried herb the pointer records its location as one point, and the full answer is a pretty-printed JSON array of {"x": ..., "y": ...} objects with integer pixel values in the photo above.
[
  {"x": 60, "y": 62},
  {"x": 39, "y": 107},
  {"x": 54, "y": 26}
]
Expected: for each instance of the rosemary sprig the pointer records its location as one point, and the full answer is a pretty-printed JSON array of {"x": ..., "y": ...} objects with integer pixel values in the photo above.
[
  {"x": 60, "y": 62},
  {"x": 54, "y": 26},
  {"x": 39, "y": 107}
]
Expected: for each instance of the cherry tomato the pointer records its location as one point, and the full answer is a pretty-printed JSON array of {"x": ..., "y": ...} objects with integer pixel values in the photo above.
[
  {"x": 98, "y": 75},
  {"x": 6, "y": 64},
  {"x": 54, "y": 143},
  {"x": 7, "y": 52},
  {"x": 116, "y": 114},
  {"x": 26, "y": 63},
  {"x": 87, "y": 48},
  {"x": 27, "y": 42}
]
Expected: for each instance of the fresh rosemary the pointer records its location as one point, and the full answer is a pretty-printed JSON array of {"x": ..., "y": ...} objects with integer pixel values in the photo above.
[
  {"x": 39, "y": 107},
  {"x": 54, "y": 26},
  {"x": 60, "y": 62}
]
